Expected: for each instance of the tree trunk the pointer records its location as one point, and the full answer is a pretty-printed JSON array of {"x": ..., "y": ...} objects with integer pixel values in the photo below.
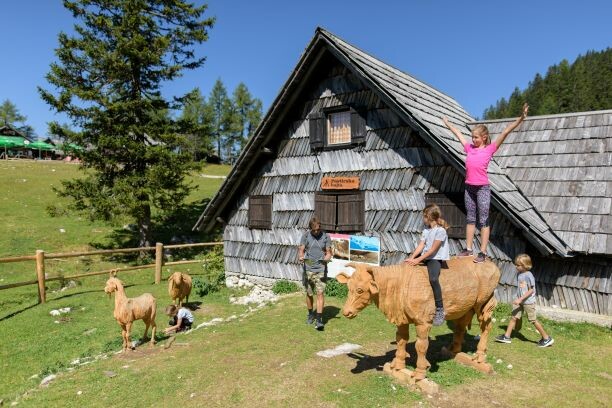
[{"x": 144, "y": 230}]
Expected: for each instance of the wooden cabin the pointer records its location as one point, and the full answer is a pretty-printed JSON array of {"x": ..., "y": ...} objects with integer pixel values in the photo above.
[{"x": 344, "y": 114}]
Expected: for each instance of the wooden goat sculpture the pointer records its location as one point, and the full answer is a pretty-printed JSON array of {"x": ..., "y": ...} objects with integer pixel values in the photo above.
[
  {"x": 179, "y": 287},
  {"x": 127, "y": 310}
]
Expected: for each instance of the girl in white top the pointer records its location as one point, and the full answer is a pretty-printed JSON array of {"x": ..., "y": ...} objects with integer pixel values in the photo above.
[
  {"x": 433, "y": 250},
  {"x": 181, "y": 319}
]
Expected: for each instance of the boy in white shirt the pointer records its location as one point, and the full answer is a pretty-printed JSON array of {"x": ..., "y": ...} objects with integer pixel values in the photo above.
[{"x": 181, "y": 319}]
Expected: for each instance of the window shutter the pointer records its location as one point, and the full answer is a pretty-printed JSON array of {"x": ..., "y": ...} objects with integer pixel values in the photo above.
[
  {"x": 350, "y": 212},
  {"x": 317, "y": 128},
  {"x": 325, "y": 210},
  {"x": 358, "y": 127},
  {"x": 453, "y": 211},
  {"x": 260, "y": 212}
]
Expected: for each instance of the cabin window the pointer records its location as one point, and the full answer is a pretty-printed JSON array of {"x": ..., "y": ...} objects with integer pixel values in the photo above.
[
  {"x": 453, "y": 211},
  {"x": 338, "y": 128},
  {"x": 260, "y": 212},
  {"x": 340, "y": 211}
]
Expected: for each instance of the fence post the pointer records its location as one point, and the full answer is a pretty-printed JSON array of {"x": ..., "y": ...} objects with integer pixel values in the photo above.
[
  {"x": 40, "y": 275},
  {"x": 159, "y": 261}
]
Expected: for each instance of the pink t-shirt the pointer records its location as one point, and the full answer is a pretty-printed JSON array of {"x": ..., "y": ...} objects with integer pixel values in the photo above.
[{"x": 477, "y": 163}]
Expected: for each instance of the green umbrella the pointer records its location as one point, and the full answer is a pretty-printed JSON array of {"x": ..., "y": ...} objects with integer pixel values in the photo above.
[
  {"x": 40, "y": 145},
  {"x": 7, "y": 144}
]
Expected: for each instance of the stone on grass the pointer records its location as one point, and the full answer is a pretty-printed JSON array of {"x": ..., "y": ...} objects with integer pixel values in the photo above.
[
  {"x": 45, "y": 381},
  {"x": 344, "y": 348}
]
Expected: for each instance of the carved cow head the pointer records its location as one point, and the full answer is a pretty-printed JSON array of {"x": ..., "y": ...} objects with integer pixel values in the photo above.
[{"x": 361, "y": 289}]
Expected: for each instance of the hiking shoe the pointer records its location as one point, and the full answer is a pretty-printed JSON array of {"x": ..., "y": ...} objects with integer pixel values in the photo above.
[
  {"x": 466, "y": 252},
  {"x": 480, "y": 258},
  {"x": 503, "y": 339},
  {"x": 310, "y": 319},
  {"x": 439, "y": 316},
  {"x": 546, "y": 342},
  {"x": 319, "y": 326}
]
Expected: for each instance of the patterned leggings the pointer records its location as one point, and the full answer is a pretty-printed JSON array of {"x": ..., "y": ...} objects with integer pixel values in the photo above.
[{"x": 477, "y": 201}]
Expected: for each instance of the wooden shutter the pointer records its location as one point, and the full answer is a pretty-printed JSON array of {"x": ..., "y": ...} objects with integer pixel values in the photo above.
[
  {"x": 453, "y": 211},
  {"x": 317, "y": 128},
  {"x": 358, "y": 127},
  {"x": 350, "y": 212},
  {"x": 260, "y": 212},
  {"x": 325, "y": 210}
]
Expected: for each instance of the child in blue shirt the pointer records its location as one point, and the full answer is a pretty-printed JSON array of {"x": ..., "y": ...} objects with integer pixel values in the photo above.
[{"x": 525, "y": 301}]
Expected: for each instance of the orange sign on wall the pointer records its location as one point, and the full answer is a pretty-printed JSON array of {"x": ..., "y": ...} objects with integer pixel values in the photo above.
[{"x": 340, "y": 183}]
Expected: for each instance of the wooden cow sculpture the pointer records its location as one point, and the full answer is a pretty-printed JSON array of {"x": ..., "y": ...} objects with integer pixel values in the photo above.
[{"x": 404, "y": 295}]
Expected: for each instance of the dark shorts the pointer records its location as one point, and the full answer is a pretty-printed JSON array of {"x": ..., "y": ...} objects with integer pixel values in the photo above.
[{"x": 185, "y": 324}]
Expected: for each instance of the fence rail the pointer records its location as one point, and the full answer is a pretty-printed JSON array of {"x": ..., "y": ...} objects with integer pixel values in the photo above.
[{"x": 41, "y": 257}]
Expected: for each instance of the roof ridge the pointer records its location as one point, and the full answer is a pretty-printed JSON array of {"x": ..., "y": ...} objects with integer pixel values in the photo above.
[
  {"x": 556, "y": 115},
  {"x": 349, "y": 45}
]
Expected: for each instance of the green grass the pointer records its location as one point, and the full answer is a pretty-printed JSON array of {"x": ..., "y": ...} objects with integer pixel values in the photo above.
[{"x": 267, "y": 359}]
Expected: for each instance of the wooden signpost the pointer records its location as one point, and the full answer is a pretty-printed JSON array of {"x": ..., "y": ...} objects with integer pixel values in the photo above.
[{"x": 340, "y": 183}]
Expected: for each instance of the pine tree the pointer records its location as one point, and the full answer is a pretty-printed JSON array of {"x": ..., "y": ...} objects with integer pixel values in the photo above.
[
  {"x": 221, "y": 113},
  {"x": 246, "y": 115},
  {"x": 584, "y": 85},
  {"x": 109, "y": 75},
  {"x": 9, "y": 114},
  {"x": 196, "y": 122}
]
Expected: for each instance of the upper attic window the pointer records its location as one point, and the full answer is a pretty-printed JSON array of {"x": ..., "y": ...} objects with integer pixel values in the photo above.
[
  {"x": 336, "y": 128},
  {"x": 339, "y": 128}
]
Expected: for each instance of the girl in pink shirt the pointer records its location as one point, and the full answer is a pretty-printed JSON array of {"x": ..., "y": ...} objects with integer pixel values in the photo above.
[{"x": 477, "y": 191}]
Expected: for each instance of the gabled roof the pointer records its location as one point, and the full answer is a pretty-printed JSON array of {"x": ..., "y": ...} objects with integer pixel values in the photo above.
[
  {"x": 420, "y": 105},
  {"x": 563, "y": 164}
]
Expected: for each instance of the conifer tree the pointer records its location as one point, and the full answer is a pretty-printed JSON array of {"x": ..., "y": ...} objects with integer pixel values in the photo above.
[{"x": 108, "y": 77}]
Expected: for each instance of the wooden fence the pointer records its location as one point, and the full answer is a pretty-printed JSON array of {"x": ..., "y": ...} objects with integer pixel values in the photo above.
[{"x": 41, "y": 257}]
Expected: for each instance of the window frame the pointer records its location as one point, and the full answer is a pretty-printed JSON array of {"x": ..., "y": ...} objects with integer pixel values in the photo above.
[
  {"x": 452, "y": 206},
  {"x": 260, "y": 201},
  {"x": 335, "y": 227}
]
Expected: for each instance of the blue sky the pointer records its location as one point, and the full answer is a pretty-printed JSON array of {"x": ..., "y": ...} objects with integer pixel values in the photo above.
[{"x": 474, "y": 51}]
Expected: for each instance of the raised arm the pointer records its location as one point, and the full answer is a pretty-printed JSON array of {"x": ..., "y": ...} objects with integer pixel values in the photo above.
[
  {"x": 455, "y": 131},
  {"x": 500, "y": 139}
]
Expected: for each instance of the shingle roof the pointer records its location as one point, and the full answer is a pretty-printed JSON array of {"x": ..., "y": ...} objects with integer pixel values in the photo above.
[
  {"x": 563, "y": 164},
  {"x": 416, "y": 102}
]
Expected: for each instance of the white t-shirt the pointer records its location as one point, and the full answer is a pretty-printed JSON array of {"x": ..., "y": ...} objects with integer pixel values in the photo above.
[
  {"x": 436, "y": 233},
  {"x": 184, "y": 314}
]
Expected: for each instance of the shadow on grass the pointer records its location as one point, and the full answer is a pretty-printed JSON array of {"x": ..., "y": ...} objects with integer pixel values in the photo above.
[
  {"x": 518, "y": 335},
  {"x": 330, "y": 312},
  {"x": 17, "y": 312},
  {"x": 172, "y": 228},
  {"x": 434, "y": 355}
]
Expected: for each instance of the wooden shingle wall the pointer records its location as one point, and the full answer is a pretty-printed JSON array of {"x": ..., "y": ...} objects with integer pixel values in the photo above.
[{"x": 396, "y": 170}]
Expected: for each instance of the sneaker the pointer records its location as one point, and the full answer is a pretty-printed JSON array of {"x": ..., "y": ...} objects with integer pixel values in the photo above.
[
  {"x": 546, "y": 342},
  {"x": 481, "y": 257},
  {"x": 466, "y": 252},
  {"x": 310, "y": 319},
  {"x": 319, "y": 326},
  {"x": 503, "y": 339},
  {"x": 439, "y": 316}
]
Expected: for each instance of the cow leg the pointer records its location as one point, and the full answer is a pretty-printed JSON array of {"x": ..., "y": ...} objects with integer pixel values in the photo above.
[
  {"x": 422, "y": 343},
  {"x": 484, "y": 318},
  {"x": 401, "y": 337},
  {"x": 459, "y": 332}
]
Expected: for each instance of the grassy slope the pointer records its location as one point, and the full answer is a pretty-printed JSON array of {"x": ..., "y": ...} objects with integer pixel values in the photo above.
[{"x": 268, "y": 359}]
